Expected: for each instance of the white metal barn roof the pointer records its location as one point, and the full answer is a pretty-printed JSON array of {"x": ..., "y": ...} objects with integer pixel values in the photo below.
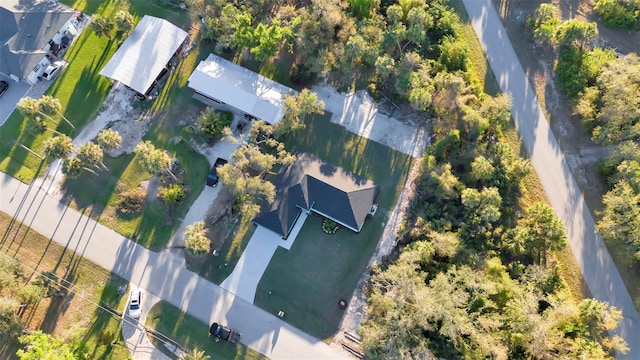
[
  {"x": 240, "y": 88},
  {"x": 144, "y": 53}
]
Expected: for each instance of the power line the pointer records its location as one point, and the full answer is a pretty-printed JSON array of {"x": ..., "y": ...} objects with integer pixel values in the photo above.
[{"x": 100, "y": 306}]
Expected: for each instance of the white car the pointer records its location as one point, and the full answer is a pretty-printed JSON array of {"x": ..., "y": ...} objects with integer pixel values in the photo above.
[
  {"x": 52, "y": 70},
  {"x": 134, "y": 303}
]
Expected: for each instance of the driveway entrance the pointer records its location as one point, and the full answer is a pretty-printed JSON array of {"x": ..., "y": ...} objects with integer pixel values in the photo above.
[
  {"x": 15, "y": 92},
  {"x": 245, "y": 277}
]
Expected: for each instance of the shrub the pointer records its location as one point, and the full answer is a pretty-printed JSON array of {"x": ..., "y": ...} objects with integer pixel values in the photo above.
[
  {"x": 196, "y": 242},
  {"x": 172, "y": 194},
  {"x": 623, "y": 14},
  {"x": 211, "y": 123},
  {"x": 131, "y": 201},
  {"x": 329, "y": 226}
]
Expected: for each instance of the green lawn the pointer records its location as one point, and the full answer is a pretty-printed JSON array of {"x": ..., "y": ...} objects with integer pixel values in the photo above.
[
  {"x": 307, "y": 281},
  {"x": 218, "y": 268},
  {"x": 191, "y": 333},
  {"x": 74, "y": 311}
]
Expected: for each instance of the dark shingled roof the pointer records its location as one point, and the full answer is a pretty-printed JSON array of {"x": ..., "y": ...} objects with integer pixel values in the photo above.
[
  {"x": 314, "y": 184},
  {"x": 24, "y": 32}
]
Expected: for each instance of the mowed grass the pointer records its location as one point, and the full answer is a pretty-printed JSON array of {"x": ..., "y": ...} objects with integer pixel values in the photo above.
[
  {"x": 76, "y": 310},
  {"x": 191, "y": 333},
  {"x": 307, "y": 281}
]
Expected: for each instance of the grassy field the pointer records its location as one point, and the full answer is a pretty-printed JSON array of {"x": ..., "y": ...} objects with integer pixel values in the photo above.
[
  {"x": 76, "y": 310},
  {"x": 192, "y": 333},
  {"x": 307, "y": 281}
]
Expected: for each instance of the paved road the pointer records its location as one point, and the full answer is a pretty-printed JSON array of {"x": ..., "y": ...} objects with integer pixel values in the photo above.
[
  {"x": 163, "y": 275},
  {"x": 596, "y": 264}
]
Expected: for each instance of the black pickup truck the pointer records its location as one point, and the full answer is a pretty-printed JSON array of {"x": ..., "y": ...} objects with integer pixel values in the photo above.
[
  {"x": 224, "y": 333},
  {"x": 212, "y": 178}
]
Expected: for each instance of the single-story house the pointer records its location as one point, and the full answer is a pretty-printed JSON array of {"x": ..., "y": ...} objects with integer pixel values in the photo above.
[
  {"x": 311, "y": 184},
  {"x": 224, "y": 85},
  {"x": 30, "y": 33},
  {"x": 145, "y": 53}
]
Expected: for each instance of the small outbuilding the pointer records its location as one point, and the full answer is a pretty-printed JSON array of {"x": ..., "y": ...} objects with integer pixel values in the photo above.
[
  {"x": 144, "y": 55},
  {"x": 222, "y": 84},
  {"x": 311, "y": 184}
]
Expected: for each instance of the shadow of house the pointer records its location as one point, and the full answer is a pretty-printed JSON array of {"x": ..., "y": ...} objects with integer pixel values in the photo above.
[
  {"x": 306, "y": 185},
  {"x": 29, "y": 32}
]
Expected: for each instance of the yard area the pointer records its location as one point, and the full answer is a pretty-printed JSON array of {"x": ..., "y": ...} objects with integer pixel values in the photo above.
[
  {"x": 307, "y": 281},
  {"x": 72, "y": 312},
  {"x": 192, "y": 333}
]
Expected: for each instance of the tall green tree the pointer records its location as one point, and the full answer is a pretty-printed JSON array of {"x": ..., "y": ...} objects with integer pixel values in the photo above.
[
  {"x": 539, "y": 232},
  {"x": 155, "y": 161},
  {"x": 620, "y": 219},
  {"x": 30, "y": 108},
  {"x": 577, "y": 33},
  {"x": 91, "y": 154},
  {"x": 296, "y": 110},
  {"x": 59, "y": 147},
  {"x": 39, "y": 345},
  {"x": 101, "y": 25},
  {"x": 109, "y": 139},
  {"x": 50, "y": 105},
  {"x": 124, "y": 21}
]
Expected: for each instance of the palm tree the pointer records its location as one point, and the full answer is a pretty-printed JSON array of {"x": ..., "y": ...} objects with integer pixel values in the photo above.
[
  {"x": 101, "y": 25},
  {"x": 58, "y": 147},
  {"x": 124, "y": 21},
  {"x": 155, "y": 161},
  {"x": 50, "y": 105},
  {"x": 30, "y": 108},
  {"x": 72, "y": 167},
  {"x": 196, "y": 354},
  {"x": 37, "y": 125},
  {"x": 196, "y": 242},
  {"x": 109, "y": 139},
  {"x": 91, "y": 153}
]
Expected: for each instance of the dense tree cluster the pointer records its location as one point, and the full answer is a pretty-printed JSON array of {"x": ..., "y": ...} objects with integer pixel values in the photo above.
[
  {"x": 473, "y": 274},
  {"x": 623, "y": 14},
  {"x": 394, "y": 48},
  {"x": 471, "y": 278}
]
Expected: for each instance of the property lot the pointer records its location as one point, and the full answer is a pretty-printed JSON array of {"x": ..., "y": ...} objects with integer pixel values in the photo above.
[{"x": 308, "y": 281}]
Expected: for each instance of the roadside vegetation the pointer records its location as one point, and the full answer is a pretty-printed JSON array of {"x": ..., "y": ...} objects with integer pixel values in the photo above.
[
  {"x": 56, "y": 292},
  {"x": 603, "y": 87}
]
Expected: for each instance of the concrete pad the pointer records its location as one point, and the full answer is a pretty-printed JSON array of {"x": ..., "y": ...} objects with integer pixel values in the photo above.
[
  {"x": 15, "y": 92},
  {"x": 253, "y": 262}
]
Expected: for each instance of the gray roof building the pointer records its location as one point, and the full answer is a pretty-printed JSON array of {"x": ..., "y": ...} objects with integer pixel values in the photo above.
[
  {"x": 312, "y": 184},
  {"x": 25, "y": 28}
]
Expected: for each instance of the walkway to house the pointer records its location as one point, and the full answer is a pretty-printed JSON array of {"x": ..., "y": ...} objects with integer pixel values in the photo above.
[{"x": 255, "y": 258}]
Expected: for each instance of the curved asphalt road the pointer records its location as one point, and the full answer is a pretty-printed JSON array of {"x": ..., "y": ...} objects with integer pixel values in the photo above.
[
  {"x": 164, "y": 275},
  {"x": 563, "y": 192}
]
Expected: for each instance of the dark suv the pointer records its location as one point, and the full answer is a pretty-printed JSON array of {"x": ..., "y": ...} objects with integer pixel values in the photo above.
[
  {"x": 3, "y": 87},
  {"x": 212, "y": 178}
]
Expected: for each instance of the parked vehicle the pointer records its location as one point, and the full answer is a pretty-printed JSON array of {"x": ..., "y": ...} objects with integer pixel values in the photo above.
[
  {"x": 52, "y": 70},
  {"x": 134, "y": 303},
  {"x": 212, "y": 178},
  {"x": 224, "y": 333},
  {"x": 3, "y": 87}
]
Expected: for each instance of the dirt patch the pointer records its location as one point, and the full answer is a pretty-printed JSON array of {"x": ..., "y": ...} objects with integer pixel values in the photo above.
[{"x": 220, "y": 220}]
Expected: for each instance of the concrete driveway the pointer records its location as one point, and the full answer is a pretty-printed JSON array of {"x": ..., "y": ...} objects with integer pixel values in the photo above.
[
  {"x": 255, "y": 258},
  {"x": 562, "y": 190},
  {"x": 134, "y": 334},
  {"x": 8, "y": 101}
]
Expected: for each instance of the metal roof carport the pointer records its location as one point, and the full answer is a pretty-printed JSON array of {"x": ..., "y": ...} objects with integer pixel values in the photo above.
[{"x": 143, "y": 55}]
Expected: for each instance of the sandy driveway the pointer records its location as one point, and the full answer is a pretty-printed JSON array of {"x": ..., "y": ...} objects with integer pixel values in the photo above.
[{"x": 359, "y": 114}]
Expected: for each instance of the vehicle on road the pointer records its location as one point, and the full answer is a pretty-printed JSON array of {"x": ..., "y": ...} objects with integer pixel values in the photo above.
[
  {"x": 134, "y": 303},
  {"x": 212, "y": 178},
  {"x": 224, "y": 333},
  {"x": 3, "y": 87},
  {"x": 52, "y": 70}
]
